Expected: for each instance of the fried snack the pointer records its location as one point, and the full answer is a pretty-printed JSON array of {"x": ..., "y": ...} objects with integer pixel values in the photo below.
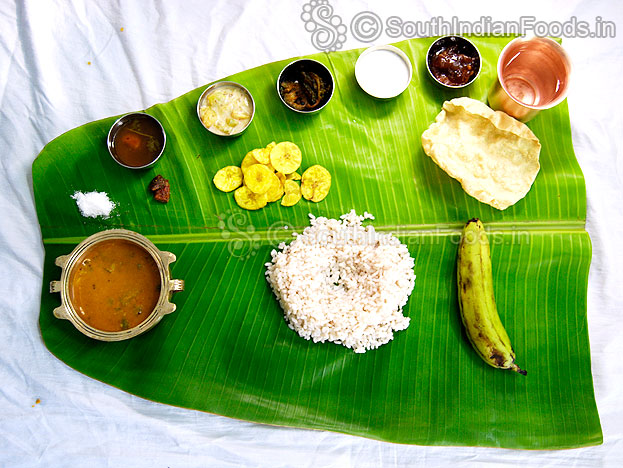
[
  {"x": 315, "y": 183},
  {"x": 275, "y": 191},
  {"x": 492, "y": 155},
  {"x": 227, "y": 179},
  {"x": 269, "y": 147},
  {"x": 292, "y": 193},
  {"x": 286, "y": 157},
  {"x": 248, "y": 160},
  {"x": 268, "y": 175},
  {"x": 258, "y": 178},
  {"x": 248, "y": 200},
  {"x": 259, "y": 154}
]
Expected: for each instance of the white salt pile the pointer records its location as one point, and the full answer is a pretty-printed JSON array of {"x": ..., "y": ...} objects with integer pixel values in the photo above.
[{"x": 94, "y": 204}]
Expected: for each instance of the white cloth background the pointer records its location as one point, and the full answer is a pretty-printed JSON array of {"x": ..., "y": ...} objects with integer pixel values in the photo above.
[{"x": 63, "y": 64}]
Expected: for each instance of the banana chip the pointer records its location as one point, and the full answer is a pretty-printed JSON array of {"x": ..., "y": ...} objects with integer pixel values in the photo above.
[
  {"x": 292, "y": 193},
  {"x": 275, "y": 191},
  {"x": 266, "y": 151},
  {"x": 248, "y": 160},
  {"x": 259, "y": 154},
  {"x": 286, "y": 157},
  {"x": 269, "y": 147},
  {"x": 268, "y": 174},
  {"x": 258, "y": 178},
  {"x": 315, "y": 183},
  {"x": 248, "y": 200},
  {"x": 227, "y": 179}
]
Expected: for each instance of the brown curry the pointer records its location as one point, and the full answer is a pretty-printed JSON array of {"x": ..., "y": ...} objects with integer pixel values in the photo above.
[
  {"x": 115, "y": 285},
  {"x": 138, "y": 142}
]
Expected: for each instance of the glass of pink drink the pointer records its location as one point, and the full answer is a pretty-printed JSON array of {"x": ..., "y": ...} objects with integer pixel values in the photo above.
[{"x": 533, "y": 74}]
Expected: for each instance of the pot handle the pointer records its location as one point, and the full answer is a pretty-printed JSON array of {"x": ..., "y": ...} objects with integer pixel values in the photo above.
[
  {"x": 61, "y": 261},
  {"x": 176, "y": 285},
  {"x": 61, "y": 313}
]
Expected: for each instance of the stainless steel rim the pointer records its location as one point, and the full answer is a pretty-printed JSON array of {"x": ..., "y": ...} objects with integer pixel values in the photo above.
[
  {"x": 430, "y": 73},
  {"x": 400, "y": 54},
  {"x": 115, "y": 127},
  {"x": 311, "y": 111},
  {"x": 219, "y": 84}
]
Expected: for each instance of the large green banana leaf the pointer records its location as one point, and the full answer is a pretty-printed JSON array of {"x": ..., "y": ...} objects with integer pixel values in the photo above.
[{"x": 227, "y": 349}]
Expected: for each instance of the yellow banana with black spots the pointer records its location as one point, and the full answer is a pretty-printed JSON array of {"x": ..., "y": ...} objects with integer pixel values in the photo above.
[{"x": 477, "y": 302}]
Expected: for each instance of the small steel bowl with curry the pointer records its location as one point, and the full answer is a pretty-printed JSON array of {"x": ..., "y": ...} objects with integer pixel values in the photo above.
[
  {"x": 115, "y": 285},
  {"x": 136, "y": 141}
]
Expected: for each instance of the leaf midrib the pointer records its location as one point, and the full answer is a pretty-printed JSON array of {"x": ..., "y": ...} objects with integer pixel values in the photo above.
[{"x": 440, "y": 229}]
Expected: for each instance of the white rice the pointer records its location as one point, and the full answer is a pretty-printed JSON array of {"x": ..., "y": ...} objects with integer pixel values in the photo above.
[{"x": 342, "y": 282}]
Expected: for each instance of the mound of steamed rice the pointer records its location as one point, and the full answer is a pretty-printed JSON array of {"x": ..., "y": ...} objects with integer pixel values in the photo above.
[{"x": 343, "y": 282}]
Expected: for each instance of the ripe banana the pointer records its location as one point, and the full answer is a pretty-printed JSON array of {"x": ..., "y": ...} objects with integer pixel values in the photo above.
[{"x": 477, "y": 302}]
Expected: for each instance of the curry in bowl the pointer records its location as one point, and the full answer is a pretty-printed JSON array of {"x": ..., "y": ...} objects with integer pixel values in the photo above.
[{"x": 115, "y": 285}]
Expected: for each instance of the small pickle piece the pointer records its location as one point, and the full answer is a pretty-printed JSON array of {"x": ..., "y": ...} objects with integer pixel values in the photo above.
[
  {"x": 294, "y": 176},
  {"x": 227, "y": 179},
  {"x": 161, "y": 189},
  {"x": 257, "y": 178},
  {"x": 286, "y": 157},
  {"x": 276, "y": 189},
  {"x": 292, "y": 194},
  {"x": 248, "y": 200},
  {"x": 315, "y": 183}
]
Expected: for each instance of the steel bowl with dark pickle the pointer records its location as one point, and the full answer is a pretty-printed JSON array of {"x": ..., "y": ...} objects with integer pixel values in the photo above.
[
  {"x": 305, "y": 86},
  {"x": 453, "y": 62}
]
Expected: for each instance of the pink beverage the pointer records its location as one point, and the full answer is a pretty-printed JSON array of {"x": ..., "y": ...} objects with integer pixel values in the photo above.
[{"x": 533, "y": 74}]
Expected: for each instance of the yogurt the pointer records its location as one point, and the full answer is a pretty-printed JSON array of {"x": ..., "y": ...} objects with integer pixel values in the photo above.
[{"x": 383, "y": 71}]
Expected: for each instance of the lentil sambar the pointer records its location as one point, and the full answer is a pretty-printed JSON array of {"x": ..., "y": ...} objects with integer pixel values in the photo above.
[{"x": 115, "y": 285}]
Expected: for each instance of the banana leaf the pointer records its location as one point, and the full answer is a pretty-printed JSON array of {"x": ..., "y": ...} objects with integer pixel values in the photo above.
[{"x": 227, "y": 349}]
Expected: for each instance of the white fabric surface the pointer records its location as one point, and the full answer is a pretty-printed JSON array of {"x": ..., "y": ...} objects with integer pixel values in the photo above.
[{"x": 63, "y": 64}]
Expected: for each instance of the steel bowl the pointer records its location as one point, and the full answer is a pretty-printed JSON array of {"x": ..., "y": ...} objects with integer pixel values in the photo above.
[
  {"x": 291, "y": 70},
  {"x": 465, "y": 45},
  {"x": 119, "y": 123},
  {"x": 163, "y": 307},
  {"x": 211, "y": 89},
  {"x": 360, "y": 74}
]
